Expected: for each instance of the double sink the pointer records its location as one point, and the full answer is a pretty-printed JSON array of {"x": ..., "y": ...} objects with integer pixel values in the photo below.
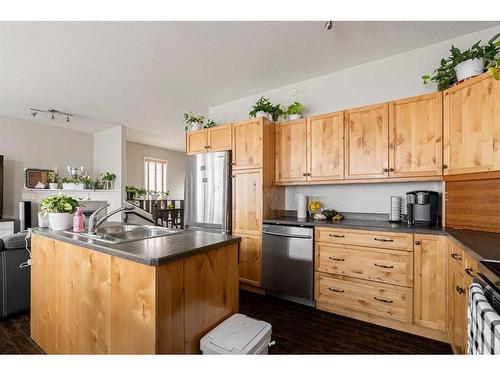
[{"x": 115, "y": 233}]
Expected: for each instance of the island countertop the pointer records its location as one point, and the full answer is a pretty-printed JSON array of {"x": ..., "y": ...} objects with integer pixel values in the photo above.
[{"x": 152, "y": 251}]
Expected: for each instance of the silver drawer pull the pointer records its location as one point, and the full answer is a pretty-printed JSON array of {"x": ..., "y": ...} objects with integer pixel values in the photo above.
[
  {"x": 382, "y": 265},
  {"x": 384, "y": 300},
  {"x": 337, "y": 235},
  {"x": 336, "y": 259},
  {"x": 336, "y": 290},
  {"x": 383, "y": 240}
]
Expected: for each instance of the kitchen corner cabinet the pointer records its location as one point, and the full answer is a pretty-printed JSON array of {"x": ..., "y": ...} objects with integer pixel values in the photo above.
[
  {"x": 291, "y": 151},
  {"x": 366, "y": 142},
  {"x": 415, "y": 136},
  {"x": 217, "y": 138},
  {"x": 430, "y": 262},
  {"x": 472, "y": 126}
]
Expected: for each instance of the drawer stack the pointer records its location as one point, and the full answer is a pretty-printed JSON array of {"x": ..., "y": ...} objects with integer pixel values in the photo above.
[{"x": 365, "y": 271}]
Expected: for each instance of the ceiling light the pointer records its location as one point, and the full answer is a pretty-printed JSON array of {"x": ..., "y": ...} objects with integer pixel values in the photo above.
[
  {"x": 52, "y": 112},
  {"x": 34, "y": 114},
  {"x": 52, "y": 117},
  {"x": 328, "y": 25},
  {"x": 67, "y": 118}
]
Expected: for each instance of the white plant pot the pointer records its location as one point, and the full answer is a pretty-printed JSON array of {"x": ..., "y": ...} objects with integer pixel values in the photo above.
[
  {"x": 71, "y": 186},
  {"x": 53, "y": 186},
  {"x": 469, "y": 68},
  {"x": 295, "y": 116},
  {"x": 60, "y": 221},
  {"x": 196, "y": 126},
  {"x": 263, "y": 114}
]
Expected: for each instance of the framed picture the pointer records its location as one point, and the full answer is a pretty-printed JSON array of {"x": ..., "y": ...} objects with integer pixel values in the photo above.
[{"x": 33, "y": 176}]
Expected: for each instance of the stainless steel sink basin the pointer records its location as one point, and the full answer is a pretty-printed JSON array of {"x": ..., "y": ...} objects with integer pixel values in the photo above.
[{"x": 119, "y": 233}]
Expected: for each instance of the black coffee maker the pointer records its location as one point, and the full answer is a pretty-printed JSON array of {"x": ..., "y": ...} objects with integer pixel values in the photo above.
[{"x": 422, "y": 207}]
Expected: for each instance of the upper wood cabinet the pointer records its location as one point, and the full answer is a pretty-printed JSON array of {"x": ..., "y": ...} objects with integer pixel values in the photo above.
[
  {"x": 366, "y": 142},
  {"x": 325, "y": 143},
  {"x": 415, "y": 136},
  {"x": 430, "y": 258},
  {"x": 217, "y": 138},
  {"x": 291, "y": 151},
  {"x": 472, "y": 126},
  {"x": 248, "y": 143}
]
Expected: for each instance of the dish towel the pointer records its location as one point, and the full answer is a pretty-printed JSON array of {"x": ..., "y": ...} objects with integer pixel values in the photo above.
[{"x": 483, "y": 323}]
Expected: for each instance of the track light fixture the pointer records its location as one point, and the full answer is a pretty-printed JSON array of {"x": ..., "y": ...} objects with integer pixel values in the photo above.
[
  {"x": 52, "y": 112},
  {"x": 328, "y": 25}
]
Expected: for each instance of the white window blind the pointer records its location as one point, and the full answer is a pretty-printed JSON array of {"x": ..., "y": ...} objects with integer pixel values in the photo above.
[{"x": 155, "y": 174}]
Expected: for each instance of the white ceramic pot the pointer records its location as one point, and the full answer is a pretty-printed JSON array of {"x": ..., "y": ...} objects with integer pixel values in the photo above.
[
  {"x": 263, "y": 114},
  {"x": 469, "y": 68},
  {"x": 60, "y": 221},
  {"x": 53, "y": 186},
  {"x": 295, "y": 116},
  {"x": 71, "y": 186},
  {"x": 196, "y": 126}
]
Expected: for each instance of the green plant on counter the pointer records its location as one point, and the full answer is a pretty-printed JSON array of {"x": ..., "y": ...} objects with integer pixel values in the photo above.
[
  {"x": 264, "y": 105},
  {"x": 135, "y": 190},
  {"x": 445, "y": 76},
  {"x": 59, "y": 203},
  {"x": 108, "y": 176},
  {"x": 295, "y": 108},
  {"x": 189, "y": 119},
  {"x": 53, "y": 177},
  {"x": 85, "y": 180}
]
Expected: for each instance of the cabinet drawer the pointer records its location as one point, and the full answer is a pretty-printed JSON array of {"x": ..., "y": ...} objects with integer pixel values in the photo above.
[
  {"x": 368, "y": 296},
  {"x": 388, "y": 266},
  {"x": 384, "y": 240}
]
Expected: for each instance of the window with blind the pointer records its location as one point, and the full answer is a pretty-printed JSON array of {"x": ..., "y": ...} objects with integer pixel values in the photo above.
[{"x": 155, "y": 174}]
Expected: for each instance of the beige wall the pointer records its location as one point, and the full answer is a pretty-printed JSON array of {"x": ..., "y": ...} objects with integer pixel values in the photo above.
[
  {"x": 32, "y": 145},
  {"x": 136, "y": 153}
]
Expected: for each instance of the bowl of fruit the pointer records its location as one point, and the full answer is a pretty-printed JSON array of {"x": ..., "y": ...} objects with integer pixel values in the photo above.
[{"x": 314, "y": 207}]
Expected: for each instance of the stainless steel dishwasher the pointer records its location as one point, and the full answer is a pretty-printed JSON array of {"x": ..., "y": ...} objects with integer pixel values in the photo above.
[{"x": 288, "y": 262}]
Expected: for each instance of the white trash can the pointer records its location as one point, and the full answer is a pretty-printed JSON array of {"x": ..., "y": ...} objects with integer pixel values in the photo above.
[{"x": 238, "y": 334}]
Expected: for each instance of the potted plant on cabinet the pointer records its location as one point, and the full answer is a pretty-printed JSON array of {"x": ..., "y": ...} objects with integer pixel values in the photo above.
[
  {"x": 108, "y": 179},
  {"x": 467, "y": 64},
  {"x": 60, "y": 209},
  {"x": 209, "y": 124},
  {"x": 295, "y": 110},
  {"x": 262, "y": 108},
  {"x": 53, "y": 180},
  {"x": 193, "y": 122}
]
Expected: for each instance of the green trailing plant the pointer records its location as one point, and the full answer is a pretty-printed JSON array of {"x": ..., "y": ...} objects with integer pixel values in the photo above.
[
  {"x": 278, "y": 111},
  {"x": 108, "y": 176},
  {"x": 189, "y": 119},
  {"x": 445, "y": 76},
  {"x": 264, "y": 105},
  {"x": 209, "y": 124},
  {"x": 295, "y": 108},
  {"x": 59, "y": 203}
]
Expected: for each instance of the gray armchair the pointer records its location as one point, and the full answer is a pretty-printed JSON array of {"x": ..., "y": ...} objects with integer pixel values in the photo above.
[{"x": 14, "y": 281}]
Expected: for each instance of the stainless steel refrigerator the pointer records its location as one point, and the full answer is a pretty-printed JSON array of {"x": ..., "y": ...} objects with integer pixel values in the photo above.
[{"x": 208, "y": 192}]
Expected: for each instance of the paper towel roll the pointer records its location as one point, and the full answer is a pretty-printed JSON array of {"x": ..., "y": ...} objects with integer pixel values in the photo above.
[{"x": 301, "y": 206}]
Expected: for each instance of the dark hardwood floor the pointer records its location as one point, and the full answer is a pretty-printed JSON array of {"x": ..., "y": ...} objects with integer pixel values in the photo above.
[{"x": 297, "y": 329}]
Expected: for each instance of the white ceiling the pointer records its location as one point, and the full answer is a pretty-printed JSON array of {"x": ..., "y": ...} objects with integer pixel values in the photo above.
[{"x": 144, "y": 75}]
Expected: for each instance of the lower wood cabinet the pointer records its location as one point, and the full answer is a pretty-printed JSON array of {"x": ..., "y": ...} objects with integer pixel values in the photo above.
[{"x": 250, "y": 259}]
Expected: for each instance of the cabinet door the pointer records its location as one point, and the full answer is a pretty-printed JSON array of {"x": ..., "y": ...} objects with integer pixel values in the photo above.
[
  {"x": 325, "y": 135},
  {"x": 247, "y": 144},
  {"x": 196, "y": 142},
  {"x": 251, "y": 259},
  {"x": 458, "y": 330},
  {"x": 247, "y": 201},
  {"x": 415, "y": 136},
  {"x": 472, "y": 126},
  {"x": 291, "y": 154},
  {"x": 430, "y": 257},
  {"x": 219, "y": 138},
  {"x": 366, "y": 142}
]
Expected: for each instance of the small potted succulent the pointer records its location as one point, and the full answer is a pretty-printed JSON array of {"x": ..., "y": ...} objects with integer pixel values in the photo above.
[
  {"x": 61, "y": 209},
  {"x": 193, "y": 122},
  {"x": 262, "y": 108},
  {"x": 53, "y": 180},
  {"x": 460, "y": 66},
  {"x": 108, "y": 180},
  {"x": 295, "y": 110}
]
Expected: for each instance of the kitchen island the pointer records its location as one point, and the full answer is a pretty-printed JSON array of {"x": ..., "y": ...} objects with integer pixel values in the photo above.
[{"x": 152, "y": 296}]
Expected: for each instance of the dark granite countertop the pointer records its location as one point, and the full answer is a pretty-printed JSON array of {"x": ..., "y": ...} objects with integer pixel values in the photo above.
[
  {"x": 152, "y": 251},
  {"x": 480, "y": 245}
]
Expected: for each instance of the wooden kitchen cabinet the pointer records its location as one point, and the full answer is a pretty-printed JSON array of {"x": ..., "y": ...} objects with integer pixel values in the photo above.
[
  {"x": 430, "y": 265},
  {"x": 457, "y": 300},
  {"x": 415, "y": 136},
  {"x": 248, "y": 143},
  {"x": 325, "y": 144},
  {"x": 472, "y": 126},
  {"x": 251, "y": 260},
  {"x": 247, "y": 202},
  {"x": 366, "y": 142},
  {"x": 217, "y": 138},
  {"x": 291, "y": 151}
]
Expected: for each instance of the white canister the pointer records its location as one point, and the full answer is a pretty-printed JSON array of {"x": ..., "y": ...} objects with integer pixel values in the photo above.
[
  {"x": 60, "y": 221},
  {"x": 469, "y": 68},
  {"x": 301, "y": 206},
  {"x": 43, "y": 220},
  {"x": 395, "y": 209}
]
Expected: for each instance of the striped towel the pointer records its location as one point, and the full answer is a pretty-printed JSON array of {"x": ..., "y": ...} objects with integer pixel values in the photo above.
[{"x": 483, "y": 323}]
